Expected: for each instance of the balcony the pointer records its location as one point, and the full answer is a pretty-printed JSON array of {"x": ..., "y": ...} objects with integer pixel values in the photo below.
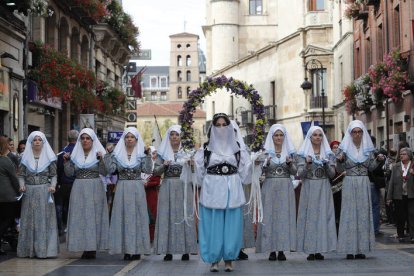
[{"x": 318, "y": 102}]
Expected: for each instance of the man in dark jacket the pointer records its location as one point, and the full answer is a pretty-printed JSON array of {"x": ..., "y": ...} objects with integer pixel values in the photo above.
[{"x": 64, "y": 184}]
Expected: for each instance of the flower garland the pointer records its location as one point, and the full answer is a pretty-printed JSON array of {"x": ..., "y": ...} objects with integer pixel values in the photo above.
[{"x": 196, "y": 97}]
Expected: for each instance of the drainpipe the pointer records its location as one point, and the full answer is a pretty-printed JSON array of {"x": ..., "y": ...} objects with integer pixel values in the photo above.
[{"x": 387, "y": 49}]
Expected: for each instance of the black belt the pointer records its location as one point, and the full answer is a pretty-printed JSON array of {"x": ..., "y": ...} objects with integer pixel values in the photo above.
[{"x": 222, "y": 169}]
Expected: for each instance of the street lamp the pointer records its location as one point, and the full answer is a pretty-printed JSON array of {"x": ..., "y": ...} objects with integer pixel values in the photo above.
[{"x": 317, "y": 66}]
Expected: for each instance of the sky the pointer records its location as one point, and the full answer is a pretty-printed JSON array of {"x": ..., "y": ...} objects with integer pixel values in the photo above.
[{"x": 158, "y": 19}]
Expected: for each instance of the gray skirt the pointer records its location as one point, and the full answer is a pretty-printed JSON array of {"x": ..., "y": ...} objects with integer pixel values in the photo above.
[
  {"x": 38, "y": 236},
  {"x": 129, "y": 228},
  {"x": 278, "y": 230},
  {"x": 172, "y": 234},
  {"x": 356, "y": 227},
  {"x": 88, "y": 221},
  {"x": 316, "y": 230}
]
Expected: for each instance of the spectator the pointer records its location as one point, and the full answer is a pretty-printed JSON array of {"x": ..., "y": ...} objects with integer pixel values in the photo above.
[
  {"x": 377, "y": 179},
  {"x": 9, "y": 187},
  {"x": 20, "y": 148},
  {"x": 401, "y": 192}
]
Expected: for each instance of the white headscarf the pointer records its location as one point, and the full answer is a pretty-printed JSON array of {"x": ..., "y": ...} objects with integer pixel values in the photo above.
[
  {"x": 349, "y": 148},
  {"x": 238, "y": 135},
  {"x": 287, "y": 146},
  {"x": 78, "y": 155},
  {"x": 222, "y": 141},
  {"x": 46, "y": 157},
  {"x": 120, "y": 151},
  {"x": 165, "y": 150},
  {"x": 307, "y": 150}
]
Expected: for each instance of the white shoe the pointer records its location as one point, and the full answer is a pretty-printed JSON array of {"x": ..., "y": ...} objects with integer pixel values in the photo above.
[
  {"x": 228, "y": 267},
  {"x": 214, "y": 267}
]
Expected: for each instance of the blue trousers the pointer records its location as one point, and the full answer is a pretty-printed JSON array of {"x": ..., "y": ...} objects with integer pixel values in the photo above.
[
  {"x": 375, "y": 199},
  {"x": 220, "y": 234}
]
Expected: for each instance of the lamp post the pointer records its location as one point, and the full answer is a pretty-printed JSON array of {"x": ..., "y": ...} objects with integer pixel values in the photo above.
[{"x": 316, "y": 65}]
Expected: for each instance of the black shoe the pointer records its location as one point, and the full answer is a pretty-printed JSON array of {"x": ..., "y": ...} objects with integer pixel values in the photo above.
[
  {"x": 168, "y": 257},
  {"x": 136, "y": 257},
  {"x": 242, "y": 256},
  {"x": 311, "y": 257},
  {"x": 281, "y": 256},
  {"x": 349, "y": 257},
  {"x": 185, "y": 257},
  {"x": 360, "y": 256},
  {"x": 272, "y": 256},
  {"x": 127, "y": 257},
  {"x": 319, "y": 256},
  {"x": 90, "y": 255}
]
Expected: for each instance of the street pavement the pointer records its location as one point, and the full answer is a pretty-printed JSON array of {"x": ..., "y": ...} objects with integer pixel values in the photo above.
[{"x": 389, "y": 258}]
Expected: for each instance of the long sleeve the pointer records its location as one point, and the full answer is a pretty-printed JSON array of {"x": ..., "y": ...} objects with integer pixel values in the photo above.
[
  {"x": 159, "y": 167},
  {"x": 146, "y": 164},
  {"x": 22, "y": 176},
  {"x": 199, "y": 164},
  {"x": 53, "y": 174},
  {"x": 390, "y": 192},
  {"x": 374, "y": 163},
  {"x": 302, "y": 167},
  {"x": 330, "y": 167},
  {"x": 110, "y": 163},
  {"x": 102, "y": 167},
  {"x": 69, "y": 168},
  {"x": 245, "y": 168},
  {"x": 293, "y": 169},
  {"x": 11, "y": 171}
]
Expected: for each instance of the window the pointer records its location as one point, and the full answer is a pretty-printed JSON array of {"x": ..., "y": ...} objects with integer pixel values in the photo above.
[
  {"x": 163, "y": 82},
  {"x": 316, "y": 5},
  {"x": 179, "y": 61},
  {"x": 396, "y": 27},
  {"x": 188, "y": 91},
  {"x": 368, "y": 54},
  {"x": 153, "y": 81},
  {"x": 188, "y": 46},
  {"x": 163, "y": 96},
  {"x": 179, "y": 93},
  {"x": 255, "y": 7},
  {"x": 188, "y": 60},
  {"x": 317, "y": 76},
  {"x": 318, "y": 85},
  {"x": 188, "y": 75},
  {"x": 380, "y": 49},
  {"x": 178, "y": 46},
  {"x": 153, "y": 96},
  {"x": 179, "y": 76}
]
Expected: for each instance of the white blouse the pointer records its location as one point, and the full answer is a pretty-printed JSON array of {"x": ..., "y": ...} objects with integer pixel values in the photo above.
[{"x": 223, "y": 191}]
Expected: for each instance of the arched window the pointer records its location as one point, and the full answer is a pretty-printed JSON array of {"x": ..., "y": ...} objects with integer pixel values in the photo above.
[
  {"x": 51, "y": 29},
  {"x": 188, "y": 60},
  {"x": 316, "y": 5},
  {"x": 188, "y": 75},
  {"x": 179, "y": 61},
  {"x": 179, "y": 93},
  {"x": 188, "y": 91},
  {"x": 179, "y": 76},
  {"x": 85, "y": 51},
  {"x": 63, "y": 36},
  {"x": 178, "y": 46},
  {"x": 188, "y": 45},
  {"x": 74, "y": 45},
  {"x": 153, "y": 82}
]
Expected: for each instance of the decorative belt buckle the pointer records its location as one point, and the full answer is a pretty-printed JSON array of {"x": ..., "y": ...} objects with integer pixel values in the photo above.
[
  {"x": 279, "y": 171},
  {"x": 224, "y": 169},
  {"x": 319, "y": 173}
]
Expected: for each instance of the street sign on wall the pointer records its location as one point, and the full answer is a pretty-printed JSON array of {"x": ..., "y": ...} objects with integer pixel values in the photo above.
[
  {"x": 144, "y": 54},
  {"x": 114, "y": 136}
]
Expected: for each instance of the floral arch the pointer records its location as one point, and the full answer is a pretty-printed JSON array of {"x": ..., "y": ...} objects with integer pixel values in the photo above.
[{"x": 237, "y": 87}]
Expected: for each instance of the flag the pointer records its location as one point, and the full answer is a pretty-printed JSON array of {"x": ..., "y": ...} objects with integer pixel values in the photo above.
[{"x": 136, "y": 83}]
